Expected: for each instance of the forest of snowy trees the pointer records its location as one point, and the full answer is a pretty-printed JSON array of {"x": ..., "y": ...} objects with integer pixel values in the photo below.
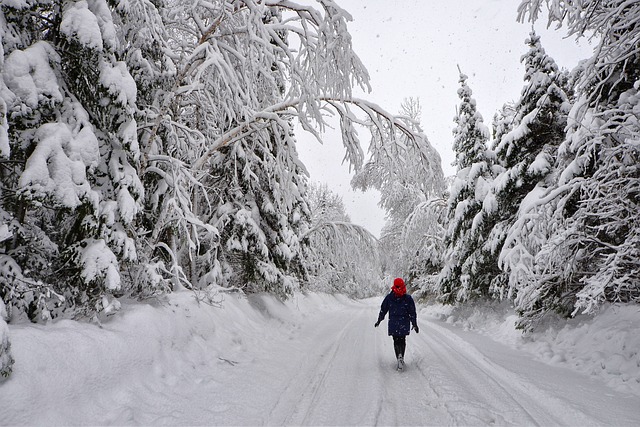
[
  {"x": 147, "y": 146},
  {"x": 545, "y": 213}
]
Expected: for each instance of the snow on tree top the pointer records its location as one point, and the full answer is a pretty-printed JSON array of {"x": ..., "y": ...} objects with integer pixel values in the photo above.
[
  {"x": 79, "y": 23},
  {"x": 99, "y": 261},
  {"x": 57, "y": 165},
  {"x": 119, "y": 82},
  {"x": 29, "y": 76}
]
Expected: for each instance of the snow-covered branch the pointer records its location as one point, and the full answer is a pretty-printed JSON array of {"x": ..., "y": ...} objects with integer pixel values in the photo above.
[{"x": 375, "y": 114}]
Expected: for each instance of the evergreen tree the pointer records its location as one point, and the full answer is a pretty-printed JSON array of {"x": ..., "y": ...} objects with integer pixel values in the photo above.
[
  {"x": 503, "y": 121},
  {"x": 325, "y": 205},
  {"x": 592, "y": 256},
  {"x": 526, "y": 149},
  {"x": 73, "y": 189},
  {"x": 468, "y": 269},
  {"x": 261, "y": 212}
]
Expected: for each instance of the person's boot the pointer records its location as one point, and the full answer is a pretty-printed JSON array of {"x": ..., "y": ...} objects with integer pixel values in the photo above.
[{"x": 400, "y": 362}]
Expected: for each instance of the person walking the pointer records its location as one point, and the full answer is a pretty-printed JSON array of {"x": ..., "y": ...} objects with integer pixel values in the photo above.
[{"x": 402, "y": 315}]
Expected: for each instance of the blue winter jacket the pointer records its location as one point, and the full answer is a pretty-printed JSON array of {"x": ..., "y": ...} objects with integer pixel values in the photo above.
[{"x": 402, "y": 313}]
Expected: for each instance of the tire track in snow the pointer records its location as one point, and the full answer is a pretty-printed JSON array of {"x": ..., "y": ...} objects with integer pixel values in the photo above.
[
  {"x": 322, "y": 387},
  {"x": 486, "y": 392},
  {"x": 309, "y": 396},
  {"x": 349, "y": 378},
  {"x": 468, "y": 389}
]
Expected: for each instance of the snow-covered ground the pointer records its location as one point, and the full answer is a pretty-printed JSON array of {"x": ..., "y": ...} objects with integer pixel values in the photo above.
[
  {"x": 318, "y": 360},
  {"x": 606, "y": 346}
]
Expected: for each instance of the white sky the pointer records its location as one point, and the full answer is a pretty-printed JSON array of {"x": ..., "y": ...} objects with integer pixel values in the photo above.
[{"x": 411, "y": 49}]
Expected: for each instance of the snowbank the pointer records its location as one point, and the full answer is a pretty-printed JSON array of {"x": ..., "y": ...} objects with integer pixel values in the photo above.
[
  {"x": 606, "y": 346},
  {"x": 68, "y": 372}
]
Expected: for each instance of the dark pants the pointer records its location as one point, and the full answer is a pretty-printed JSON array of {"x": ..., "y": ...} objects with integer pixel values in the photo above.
[{"x": 399, "y": 345}]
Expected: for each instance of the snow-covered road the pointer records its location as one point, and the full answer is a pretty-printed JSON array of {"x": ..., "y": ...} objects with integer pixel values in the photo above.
[
  {"x": 341, "y": 372},
  {"x": 261, "y": 363}
]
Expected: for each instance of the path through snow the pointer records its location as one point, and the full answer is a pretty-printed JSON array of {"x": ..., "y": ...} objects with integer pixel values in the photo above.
[{"x": 315, "y": 360}]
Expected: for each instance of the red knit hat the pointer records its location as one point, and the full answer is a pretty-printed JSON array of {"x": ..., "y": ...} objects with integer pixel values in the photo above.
[{"x": 399, "y": 288}]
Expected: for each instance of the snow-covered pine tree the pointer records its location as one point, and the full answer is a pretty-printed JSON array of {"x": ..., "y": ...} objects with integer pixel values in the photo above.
[
  {"x": 526, "y": 149},
  {"x": 259, "y": 190},
  {"x": 594, "y": 255},
  {"x": 325, "y": 205},
  {"x": 340, "y": 257},
  {"x": 542, "y": 108},
  {"x": 503, "y": 120},
  {"x": 73, "y": 139},
  {"x": 23, "y": 245},
  {"x": 468, "y": 267}
]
